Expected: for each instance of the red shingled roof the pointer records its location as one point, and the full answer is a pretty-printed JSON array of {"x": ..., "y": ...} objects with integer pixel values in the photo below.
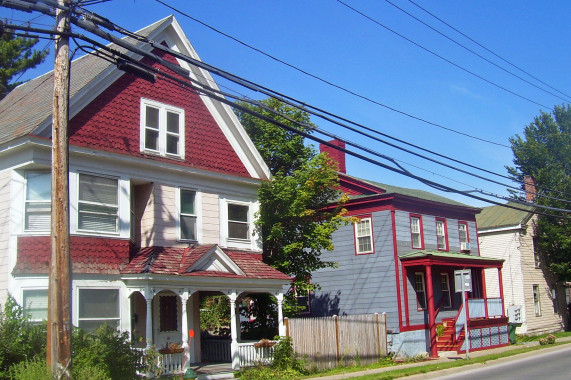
[
  {"x": 89, "y": 255},
  {"x": 176, "y": 261}
]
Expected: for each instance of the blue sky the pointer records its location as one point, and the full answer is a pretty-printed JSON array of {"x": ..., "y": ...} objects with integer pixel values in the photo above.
[{"x": 331, "y": 41}]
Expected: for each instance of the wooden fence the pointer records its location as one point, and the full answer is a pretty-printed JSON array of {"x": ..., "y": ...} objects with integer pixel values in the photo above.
[{"x": 327, "y": 342}]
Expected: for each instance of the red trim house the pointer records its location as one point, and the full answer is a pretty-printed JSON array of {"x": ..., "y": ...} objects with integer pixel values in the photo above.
[
  {"x": 163, "y": 192},
  {"x": 400, "y": 258}
]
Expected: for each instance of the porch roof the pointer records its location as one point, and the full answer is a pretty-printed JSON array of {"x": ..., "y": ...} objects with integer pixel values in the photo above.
[
  {"x": 426, "y": 257},
  {"x": 204, "y": 261}
]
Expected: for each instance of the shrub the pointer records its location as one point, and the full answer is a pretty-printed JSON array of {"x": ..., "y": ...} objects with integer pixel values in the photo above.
[
  {"x": 550, "y": 338},
  {"x": 109, "y": 350},
  {"x": 20, "y": 340},
  {"x": 34, "y": 369},
  {"x": 285, "y": 357}
]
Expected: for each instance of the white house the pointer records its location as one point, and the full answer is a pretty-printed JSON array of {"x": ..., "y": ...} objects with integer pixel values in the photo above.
[{"x": 163, "y": 192}]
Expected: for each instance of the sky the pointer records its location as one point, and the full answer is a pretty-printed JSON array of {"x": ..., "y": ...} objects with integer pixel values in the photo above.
[{"x": 410, "y": 82}]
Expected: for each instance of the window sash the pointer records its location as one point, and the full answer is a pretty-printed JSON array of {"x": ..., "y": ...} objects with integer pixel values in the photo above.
[
  {"x": 36, "y": 304},
  {"x": 98, "y": 207},
  {"x": 420, "y": 290},
  {"x": 162, "y": 129},
  {"x": 37, "y": 205},
  {"x": 440, "y": 234},
  {"x": 238, "y": 225},
  {"x": 188, "y": 214},
  {"x": 363, "y": 230},
  {"x": 98, "y": 307},
  {"x": 536, "y": 300},
  {"x": 415, "y": 232},
  {"x": 463, "y": 232},
  {"x": 445, "y": 289}
]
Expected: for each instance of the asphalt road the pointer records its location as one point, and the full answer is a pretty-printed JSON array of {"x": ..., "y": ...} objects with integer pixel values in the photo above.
[{"x": 553, "y": 364}]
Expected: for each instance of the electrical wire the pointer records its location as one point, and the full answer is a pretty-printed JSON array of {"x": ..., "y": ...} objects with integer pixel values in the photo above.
[
  {"x": 488, "y": 50},
  {"x": 329, "y": 83},
  {"x": 441, "y": 57},
  {"x": 475, "y": 53}
]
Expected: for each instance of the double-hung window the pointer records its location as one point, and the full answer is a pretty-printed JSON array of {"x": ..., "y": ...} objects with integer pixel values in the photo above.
[
  {"x": 98, "y": 203},
  {"x": 441, "y": 238},
  {"x": 238, "y": 221},
  {"x": 445, "y": 289},
  {"x": 364, "y": 236},
  {"x": 98, "y": 307},
  {"x": 536, "y": 301},
  {"x": 162, "y": 129},
  {"x": 464, "y": 236},
  {"x": 416, "y": 231},
  {"x": 38, "y": 201},
  {"x": 36, "y": 304},
  {"x": 420, "y": 290},
  {"x": 188, "y": 214}
]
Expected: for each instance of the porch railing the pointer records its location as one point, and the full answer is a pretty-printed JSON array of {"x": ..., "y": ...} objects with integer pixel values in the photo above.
[
  {"x": 216, "y": 350},
  {"x": 485, "y": 307},
  {"x": 171, "y": 363},
  {"x": 250, "y": 355}
]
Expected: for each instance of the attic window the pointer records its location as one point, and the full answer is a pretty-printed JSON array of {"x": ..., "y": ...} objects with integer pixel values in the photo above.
[{"x": 162, "y": 129}]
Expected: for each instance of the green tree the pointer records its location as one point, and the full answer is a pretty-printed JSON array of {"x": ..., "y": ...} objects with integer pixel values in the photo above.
[
  {"x": 296, "y": 218},
  {"x": 544, "y": 153},
  {"x": 16, "y": 56}
]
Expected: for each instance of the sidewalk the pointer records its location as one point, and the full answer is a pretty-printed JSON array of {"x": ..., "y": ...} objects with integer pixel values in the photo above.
[{"x": 474, "y": 354}]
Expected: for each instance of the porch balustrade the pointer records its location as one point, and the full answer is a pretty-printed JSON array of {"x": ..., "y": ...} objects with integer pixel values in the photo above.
[
  {"x": 485, "y": 307},
  {"x": 251, "y": 355},
  {"x": 172, "y": 363}
]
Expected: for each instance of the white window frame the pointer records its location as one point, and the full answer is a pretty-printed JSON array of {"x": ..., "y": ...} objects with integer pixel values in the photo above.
[
  {"x": 420, "y": 289},
  {"x": 247, "y": 222},
  {"x": 24, "y": 303},
  {"x": 162, "y": 131},
  {"x": 536, "y": 300},
  {"x": 460, "y": 231},
  {"x": 196, "y": 215},
  {"x": 413, "y": 233},
  {"x": 84, "y": 202},
  {"x": 445, "y": 290},
  {"x": 80, "y": 318},
  {"x": 364, "y": 233},
  {"x": 36, "y": 202},
  {"x": 441, "y": 234}
]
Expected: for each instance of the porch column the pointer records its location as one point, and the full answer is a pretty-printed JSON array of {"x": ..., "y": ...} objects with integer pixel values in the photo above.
[
  {"x": 149, "y": 320},
  {"x": 431, "y": 312},
  {"x": 501, "y": 291},
  {"x": 184, "y": 327},
  {"x": 281, "y": 326},
  {"x": 484, "y": 292},
  {"x": 234, "y": 331}
]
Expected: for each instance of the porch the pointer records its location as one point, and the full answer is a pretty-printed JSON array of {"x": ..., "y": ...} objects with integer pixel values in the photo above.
[{"x": 429, "y": 275}]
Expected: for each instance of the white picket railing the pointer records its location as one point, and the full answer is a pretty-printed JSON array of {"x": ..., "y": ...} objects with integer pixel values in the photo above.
[
  {"x": 251, "y": 355},
  {"x": 172, "y": 363}
]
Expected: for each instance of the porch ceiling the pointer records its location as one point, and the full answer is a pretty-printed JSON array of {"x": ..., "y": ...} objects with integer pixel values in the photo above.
[{"x": 425, "y": 257}]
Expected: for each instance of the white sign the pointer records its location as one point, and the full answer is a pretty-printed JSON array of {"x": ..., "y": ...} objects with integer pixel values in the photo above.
[{"x": 463, "y": 280}]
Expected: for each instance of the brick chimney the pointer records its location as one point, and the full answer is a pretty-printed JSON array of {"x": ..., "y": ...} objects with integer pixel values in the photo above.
[
  {"x": 529, "y": 187},
  {"x": 335, "y": 154}
]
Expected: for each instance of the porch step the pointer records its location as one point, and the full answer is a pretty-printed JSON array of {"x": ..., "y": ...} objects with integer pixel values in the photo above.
[{"x": 447, "y": 354}]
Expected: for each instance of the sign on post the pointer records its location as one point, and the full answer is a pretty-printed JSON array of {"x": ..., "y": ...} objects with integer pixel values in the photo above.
[{"x": 463, "y": 283}]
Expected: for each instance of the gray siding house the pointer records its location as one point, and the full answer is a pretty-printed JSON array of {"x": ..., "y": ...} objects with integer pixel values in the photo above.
[{"x": 400, "y": 258}]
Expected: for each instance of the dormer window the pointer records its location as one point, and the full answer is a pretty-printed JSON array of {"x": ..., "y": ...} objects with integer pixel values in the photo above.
[{"x": 162, "y": 129}]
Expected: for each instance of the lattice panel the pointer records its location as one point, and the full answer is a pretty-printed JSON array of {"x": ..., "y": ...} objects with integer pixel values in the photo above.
[{"x": 475, "y": 338}]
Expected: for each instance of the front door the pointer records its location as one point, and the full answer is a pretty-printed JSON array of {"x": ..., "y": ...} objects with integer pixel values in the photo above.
[{"x": 167, "y": 310}]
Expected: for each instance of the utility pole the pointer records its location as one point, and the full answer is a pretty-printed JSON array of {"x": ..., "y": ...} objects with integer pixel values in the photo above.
[{"x": 59, "y": 299}]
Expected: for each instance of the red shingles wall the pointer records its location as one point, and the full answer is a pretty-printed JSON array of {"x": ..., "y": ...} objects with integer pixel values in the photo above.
[
  {"x": 112, "y": 123},
  {"x": 88, "y": 254}
]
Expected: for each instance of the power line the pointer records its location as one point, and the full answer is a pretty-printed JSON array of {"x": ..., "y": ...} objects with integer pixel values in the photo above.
[
  {"x": 476, "y": 54},
  {"x": 439, "y": 56},
  {"x": 209, "y": 92},
  {"x": 488, "y": 50},
  {"x": 329, "y": 83}
]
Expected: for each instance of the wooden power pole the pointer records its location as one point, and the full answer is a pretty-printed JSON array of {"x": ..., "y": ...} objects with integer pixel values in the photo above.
[{"x": 59, "y": 299}]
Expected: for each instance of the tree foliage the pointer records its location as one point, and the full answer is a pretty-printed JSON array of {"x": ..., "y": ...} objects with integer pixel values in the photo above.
[
  {"x": 544, "y": 153},
  {"x": 296, "y": 219},
  {"x": 16, "y": 56}
]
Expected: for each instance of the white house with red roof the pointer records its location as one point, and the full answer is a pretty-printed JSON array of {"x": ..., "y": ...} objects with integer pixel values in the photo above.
[{"x": 163, "y": 193}]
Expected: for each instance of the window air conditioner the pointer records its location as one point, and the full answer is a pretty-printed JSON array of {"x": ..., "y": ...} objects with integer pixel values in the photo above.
[{"x": 465, "y": 247}]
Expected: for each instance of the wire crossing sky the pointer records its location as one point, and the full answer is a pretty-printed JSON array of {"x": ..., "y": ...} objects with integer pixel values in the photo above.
[{"x": 328, "y": 40}]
